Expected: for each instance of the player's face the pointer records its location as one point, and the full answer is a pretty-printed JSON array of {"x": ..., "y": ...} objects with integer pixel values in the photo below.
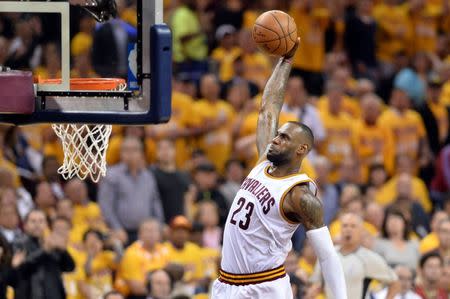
[{"x": 286, "y": 145}]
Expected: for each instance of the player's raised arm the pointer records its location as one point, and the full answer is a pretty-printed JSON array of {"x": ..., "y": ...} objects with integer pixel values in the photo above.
[
  {"x": 304, "y": 207},
  {"x": 272, "y": 101}
]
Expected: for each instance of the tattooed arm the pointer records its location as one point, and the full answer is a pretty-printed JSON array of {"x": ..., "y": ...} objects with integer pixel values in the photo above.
[
  {"x": 301, "y": 206},
  {"x": 272, "y": 101}
]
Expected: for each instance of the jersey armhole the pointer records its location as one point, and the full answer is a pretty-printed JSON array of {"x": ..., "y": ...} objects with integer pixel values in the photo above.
[{"x": 283, "y": 197}]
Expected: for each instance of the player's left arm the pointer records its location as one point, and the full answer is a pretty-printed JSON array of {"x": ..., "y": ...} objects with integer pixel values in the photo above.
[
  {"x": 272, "y": 102},
  {"x": 302, "y": 206}
]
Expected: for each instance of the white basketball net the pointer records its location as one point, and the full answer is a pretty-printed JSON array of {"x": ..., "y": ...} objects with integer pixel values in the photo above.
[{"x": 84, "y": 149}]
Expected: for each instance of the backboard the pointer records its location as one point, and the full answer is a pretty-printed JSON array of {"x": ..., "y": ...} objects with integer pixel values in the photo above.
[{"x": 141, "y": 54}]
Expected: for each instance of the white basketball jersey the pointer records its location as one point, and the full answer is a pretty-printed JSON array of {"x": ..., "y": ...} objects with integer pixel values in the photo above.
[{"x": 257, "y": 234}]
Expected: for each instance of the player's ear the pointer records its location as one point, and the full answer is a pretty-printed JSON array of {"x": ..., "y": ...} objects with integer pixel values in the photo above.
[{"x": 302, "y": 149}]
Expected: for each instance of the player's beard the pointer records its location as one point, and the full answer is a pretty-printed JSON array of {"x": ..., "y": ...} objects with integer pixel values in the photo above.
[{"x": 278, "y": 159}]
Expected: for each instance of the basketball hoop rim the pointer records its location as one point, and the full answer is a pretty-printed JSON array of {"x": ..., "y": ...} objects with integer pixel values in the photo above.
[
  {"x": 84, "y": 145},
  {"x": 88, "y": 83}
]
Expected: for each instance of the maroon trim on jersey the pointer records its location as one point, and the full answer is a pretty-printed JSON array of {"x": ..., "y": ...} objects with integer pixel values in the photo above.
[{"x": 252, "y": 278}]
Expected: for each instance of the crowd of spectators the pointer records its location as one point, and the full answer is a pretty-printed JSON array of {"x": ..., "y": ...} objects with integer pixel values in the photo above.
[{"x": 372, "y": 80}]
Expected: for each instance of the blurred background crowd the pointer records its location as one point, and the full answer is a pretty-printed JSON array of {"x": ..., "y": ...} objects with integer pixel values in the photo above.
[{"x": 371, "y": 79}]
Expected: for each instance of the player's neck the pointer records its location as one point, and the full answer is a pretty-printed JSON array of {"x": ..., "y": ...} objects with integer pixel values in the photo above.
[{"x": 283, "y": 170}]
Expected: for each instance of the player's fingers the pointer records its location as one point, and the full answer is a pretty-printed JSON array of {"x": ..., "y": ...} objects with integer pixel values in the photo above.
[{"x": 294, "y": 49}]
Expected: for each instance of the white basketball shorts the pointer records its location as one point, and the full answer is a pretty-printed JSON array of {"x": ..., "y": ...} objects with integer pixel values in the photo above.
[{"x": 279, "y": 289}]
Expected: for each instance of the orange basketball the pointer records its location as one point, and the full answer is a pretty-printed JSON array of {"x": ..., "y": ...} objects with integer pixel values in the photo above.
[{"x": 275, "y": 32}]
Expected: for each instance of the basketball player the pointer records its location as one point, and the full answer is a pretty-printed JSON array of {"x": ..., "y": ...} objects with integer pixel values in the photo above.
[{"x": 272, "y": 202}]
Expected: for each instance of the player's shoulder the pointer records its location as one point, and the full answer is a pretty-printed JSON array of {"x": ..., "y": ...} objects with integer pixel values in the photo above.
[
  {"x": 304, "y": 190},
  {"x": 304, "y": 181}
]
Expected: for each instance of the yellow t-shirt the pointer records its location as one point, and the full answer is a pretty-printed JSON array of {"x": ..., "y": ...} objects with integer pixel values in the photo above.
[
  {"x": 42, "y": 73},
  {"x": 407, "y": 130},
  {"x": 54, "y": 148},
  {"x": 373, "y": 144},
  {"x": 34, "y": 134},
  {"x": 137, "y": 262},
  {"x": 191, "y": 257},
  {"x": 308, "y": 169},
  {"x": 10, "y": 293},
  {"x": 305, "y": 266},
  {"x": 81, "y": 44},
  {"x": 387, "y": 194},
  {"x": 445, "y": 93},
  {"x": 311, "y": 27},
  {"x": 225, "y": 58},
  {"x": 392, "y": 19},
  {"x": 185, "y": 22},
  {"x": 217, "y": 144},
  {"x": 441, "y": 114},
  {"x": 76, "y": 235},
  {"x": 101, "y": 279},
  {"x": 257, "y": 68},
  {"x": 129, "y": 15},
  {"x": 428, "y": 243},
  {"x": 85, "y": 215},
  {"x": 425, "y": 28},
  {"x": 11, "y": 167},
  {"x": 210, "y": 257},
  {"x": 338, "y": 142},
  {"x": 181, "y": 118},
  {"x": 349, "y": 105},
  {"x": 72, "y": 279},
  {"x": 250, "y": 17}
]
